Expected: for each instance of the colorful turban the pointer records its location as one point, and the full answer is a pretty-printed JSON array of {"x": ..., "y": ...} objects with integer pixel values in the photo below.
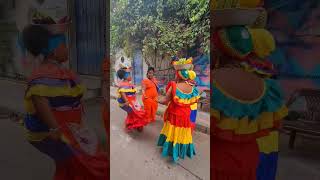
[
  {"x": 263, "y": 42},
  {"x": 186, "y": 74},
  {"x": 54, "y": 42},
  {"x": 234, "y": 41}
]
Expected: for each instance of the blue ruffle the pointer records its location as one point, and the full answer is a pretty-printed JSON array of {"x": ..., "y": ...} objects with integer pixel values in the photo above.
[
  {"x": 176, "y": 151},
  {"x": 267, "y": 169},
  {"x": 270, "y": 102},
  {"x": 32, "y": 123}
]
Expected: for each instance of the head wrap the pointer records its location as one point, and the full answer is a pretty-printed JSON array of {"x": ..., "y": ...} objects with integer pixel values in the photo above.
[
  {"x": 184, "y": 69},
  {"x": 126, "y": 75},
  {"x": 263, "y": 42},
  {"x": 186, "y": 74},
  {"x": 234, "y": 41},
  {"x": 54, "y": 42}
]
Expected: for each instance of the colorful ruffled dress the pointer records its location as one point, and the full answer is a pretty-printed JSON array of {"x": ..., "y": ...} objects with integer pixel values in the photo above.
[
  {"x": 194, "y": 110},
  {"x": 77, "y": 154},
  {"x": 241, "y": 130},
  {"x": 136, "y": 115},
  {"x": 176, "y": 134}
]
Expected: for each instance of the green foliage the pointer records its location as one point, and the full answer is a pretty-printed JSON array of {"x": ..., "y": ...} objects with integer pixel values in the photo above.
[{"x": 164, "y": 26}]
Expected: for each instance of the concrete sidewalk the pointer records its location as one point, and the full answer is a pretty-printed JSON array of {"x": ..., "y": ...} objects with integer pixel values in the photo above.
[{"x": 203, "y": 118}]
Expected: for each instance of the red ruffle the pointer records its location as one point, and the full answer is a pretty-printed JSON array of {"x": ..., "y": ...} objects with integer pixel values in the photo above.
[
  {"x": 52, "y": 71},
  {"x": 70, "y": 116},
  {"x": 135, "y": 119},
  {"x": 178, "y": 116},
  {"x": 193, "y": 126},
  {"x": 234, "y": 161},
  {"x": 169, "y": 85},
  {"x": 83, "y": 168}
]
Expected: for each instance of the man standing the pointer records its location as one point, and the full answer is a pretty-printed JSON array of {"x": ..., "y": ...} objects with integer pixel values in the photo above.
[{"x": 150, "y": 91}]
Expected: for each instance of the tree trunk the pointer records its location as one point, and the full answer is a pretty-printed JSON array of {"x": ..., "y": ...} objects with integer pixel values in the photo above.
[{"x": 155, "y": 58}]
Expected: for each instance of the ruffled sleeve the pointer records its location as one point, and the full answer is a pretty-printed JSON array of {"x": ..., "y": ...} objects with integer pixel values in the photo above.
[
  {"x": 127, "y": 88},
  {"x": 236, "y": 120},
  {"x": 169, "y": 85}
]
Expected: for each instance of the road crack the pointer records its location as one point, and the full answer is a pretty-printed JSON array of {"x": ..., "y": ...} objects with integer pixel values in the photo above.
[{"x": 193, "y": 174}]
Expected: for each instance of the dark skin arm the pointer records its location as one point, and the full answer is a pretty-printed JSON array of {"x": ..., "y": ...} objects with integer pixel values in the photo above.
[
  {"x": 123, "y": 96},
  {"x": 144, "y": 88},
  {"x": 45, "y": 114},
  {"x": 166, "y": 99}
]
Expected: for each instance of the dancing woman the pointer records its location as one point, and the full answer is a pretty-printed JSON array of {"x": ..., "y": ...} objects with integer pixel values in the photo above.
[
  {"x": 247, "y": 106},
  {"x": 176, "y": 134},
  {"x": 53, "y": 100},
  {"x": 128, "y": 102}
]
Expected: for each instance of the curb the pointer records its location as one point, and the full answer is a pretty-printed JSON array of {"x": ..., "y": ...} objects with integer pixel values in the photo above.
[{"x": 199, "y": 127}]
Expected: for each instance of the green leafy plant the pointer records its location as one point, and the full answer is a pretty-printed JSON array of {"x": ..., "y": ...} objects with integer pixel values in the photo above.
[{"x": 159, "y": 27}]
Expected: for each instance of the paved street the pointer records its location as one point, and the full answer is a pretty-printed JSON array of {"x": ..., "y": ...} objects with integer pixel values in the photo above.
[{"x": 136, "y": 156}]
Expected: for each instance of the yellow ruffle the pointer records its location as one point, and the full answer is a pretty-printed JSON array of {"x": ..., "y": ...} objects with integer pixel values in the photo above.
[
  {"x": 270, "y": 143},
  {"x": 177, "y": 135},
  {"x": 28, "y": 105},
  {"x": 40, "y": 136},
  {"x": 36, "y": 136},
  {"x": 263, "y": 42},
  {"x": 194, "y": 106},
  {"x": 123, "y": 90},
  {"x": 187, "y": 101},
  {"x": 46, "y": 91},
  {"x": 246, "y": 126}
]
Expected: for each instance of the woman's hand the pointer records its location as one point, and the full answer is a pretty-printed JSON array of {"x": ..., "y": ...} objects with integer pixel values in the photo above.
[
  {"x": 127, "y": 103},
  {"x": 45, "y": 114},
  {"x": 161, "y": 100},
  {"x": 55, "y": 135}
]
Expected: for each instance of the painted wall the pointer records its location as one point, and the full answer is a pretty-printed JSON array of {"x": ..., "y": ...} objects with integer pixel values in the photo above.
[
  {"x": 137, "y": 65},
  {"x": 202, "y": 69},
  {"x": 296, "y": 28}
]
